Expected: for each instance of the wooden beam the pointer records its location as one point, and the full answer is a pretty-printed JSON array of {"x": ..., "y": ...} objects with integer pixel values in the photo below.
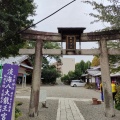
[{"x": 85, "y": 37}]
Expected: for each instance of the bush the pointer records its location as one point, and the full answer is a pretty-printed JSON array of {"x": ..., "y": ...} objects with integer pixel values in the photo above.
[
  {"x": 65, "y": 79},
  {"x": 50, "y": 75},
  {"x": 117, "y": 98},
  {"x": 90, "y": 86},
  {"x": 17, "y": 111}
]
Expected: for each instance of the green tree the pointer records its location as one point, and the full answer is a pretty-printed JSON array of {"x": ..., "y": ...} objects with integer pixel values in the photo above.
[
  {"x": 71, "y": 75},
  {"x": 13, "y": 18},
  {"x": 80, "y": 68},
  {"x": 109, "y": 12},
  {"x": 65, "y": 79},
  {"x": 87, "y": 65},
  {"x": 49, "y": 75},
  {"x": 95, "y": 61}
]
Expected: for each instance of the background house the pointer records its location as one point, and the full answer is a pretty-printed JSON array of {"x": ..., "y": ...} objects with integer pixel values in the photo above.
[
  {"x": 94, "y": 76},
  {"x": 25, "y": 67}
]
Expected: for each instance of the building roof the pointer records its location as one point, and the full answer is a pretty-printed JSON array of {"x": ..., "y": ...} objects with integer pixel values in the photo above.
[
  {"x": 93, "y": 72},
  {"x": 71, "y": 31},
  {"x": 16, "y": 60}
]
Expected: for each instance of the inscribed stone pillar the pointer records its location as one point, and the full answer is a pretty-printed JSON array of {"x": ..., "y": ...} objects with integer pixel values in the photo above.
[
  {"x": 106, "y": 81},
  {"x": 36, "y": 77}
]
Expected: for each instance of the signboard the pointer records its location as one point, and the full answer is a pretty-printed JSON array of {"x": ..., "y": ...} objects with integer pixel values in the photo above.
[
  {"x": 7, "y": 90},
  {"x": 71, "y": 43}
]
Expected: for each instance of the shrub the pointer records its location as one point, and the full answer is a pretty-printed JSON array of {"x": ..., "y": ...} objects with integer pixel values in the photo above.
[
  {"x": 17, "y": 111},
  {"x": 50, "y": 75},
  {"x": 65, "y": 79},
  {"x": 90, "y": 86},
  {"x": 117, "y": 98}
]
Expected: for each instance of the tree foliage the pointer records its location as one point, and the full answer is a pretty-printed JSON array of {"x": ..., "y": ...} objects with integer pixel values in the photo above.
[
  {"x": 13, "y": 17},
  {"x": 49, "y": 75},
  {"x": 117, "y": 97},
  {"x": 109, "y": 12},
  {"x": 95, "y": 61},
  {"x": 80, "y": 69}
]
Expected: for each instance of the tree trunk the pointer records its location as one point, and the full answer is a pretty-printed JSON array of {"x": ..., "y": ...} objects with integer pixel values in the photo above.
[{"x": 36, "y": 79}]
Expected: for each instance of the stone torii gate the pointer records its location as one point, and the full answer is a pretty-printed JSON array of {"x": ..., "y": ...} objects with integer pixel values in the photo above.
[{"x": 71, "y": 36}]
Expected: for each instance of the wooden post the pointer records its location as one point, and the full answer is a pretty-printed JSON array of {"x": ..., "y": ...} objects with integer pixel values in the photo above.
[
  {"x": 106, "y": 81},
  {"x": 35, "y": 89}
]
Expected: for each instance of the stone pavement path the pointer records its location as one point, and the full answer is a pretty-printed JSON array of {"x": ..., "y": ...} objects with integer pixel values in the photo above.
[
  {"x": 67, "y": 110},
  {"x": 65, "y": 102}
]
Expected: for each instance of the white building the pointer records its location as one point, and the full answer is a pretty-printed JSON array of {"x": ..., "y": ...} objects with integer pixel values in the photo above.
[{"x": 68, "y": 64}]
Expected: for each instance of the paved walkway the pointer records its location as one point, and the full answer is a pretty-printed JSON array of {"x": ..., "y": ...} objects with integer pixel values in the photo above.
[
  {"x": 67, "y": 109},
  {"x": 65, "y": 103}
]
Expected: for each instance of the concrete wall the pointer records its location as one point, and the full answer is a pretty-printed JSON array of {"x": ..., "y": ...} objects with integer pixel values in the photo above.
[{"x": 68, "y": 64}]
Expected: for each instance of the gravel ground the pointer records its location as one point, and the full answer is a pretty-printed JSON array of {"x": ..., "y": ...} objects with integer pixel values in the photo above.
[
  {"x": 44, "y": 114},
  {"x": 71, "y": 92},
  {"x": 65, "y": 91},
  {"x": 95, "y": 112},
  {"x": 89, "y": 111}
]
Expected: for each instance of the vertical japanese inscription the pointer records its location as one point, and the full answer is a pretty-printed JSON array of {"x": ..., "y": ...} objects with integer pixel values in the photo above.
[
  {"x": 7, "y": 90},
  {"x": 71, "y": 44}
]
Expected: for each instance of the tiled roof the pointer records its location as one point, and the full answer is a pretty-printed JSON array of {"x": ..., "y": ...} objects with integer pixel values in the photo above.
[
  {"x": 17, "y": 60},
  {"x": 11, "y": 60}
]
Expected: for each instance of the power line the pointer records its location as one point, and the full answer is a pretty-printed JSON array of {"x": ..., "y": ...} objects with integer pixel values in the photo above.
[
  {"x": 47, "y": 16},
  {"x": 19, "y": 32}
]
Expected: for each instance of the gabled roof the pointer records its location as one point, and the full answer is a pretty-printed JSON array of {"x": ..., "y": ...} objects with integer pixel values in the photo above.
[
  {"x": 11, "y": 60},
  {"x": 115, "y": 74},
  {"x": 26, "y": 66},
  {"x": 93, "y": 72},
  {"x": 17, "y": 60}
]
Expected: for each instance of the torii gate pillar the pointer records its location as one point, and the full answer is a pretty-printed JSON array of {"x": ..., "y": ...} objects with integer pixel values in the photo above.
[
  {"x": 36, "y": 79},
  {"x": 106, "y": 81}
]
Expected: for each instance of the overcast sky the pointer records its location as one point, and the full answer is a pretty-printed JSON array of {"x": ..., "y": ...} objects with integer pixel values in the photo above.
[{"x": 74, "y": 15}]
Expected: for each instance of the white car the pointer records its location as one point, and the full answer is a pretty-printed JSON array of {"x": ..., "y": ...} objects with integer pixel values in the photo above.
[{"x": 77, "y": 83}]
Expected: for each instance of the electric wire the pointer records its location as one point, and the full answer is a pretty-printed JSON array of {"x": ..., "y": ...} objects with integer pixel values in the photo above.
[
  {"x": 47, "y": 16},
  {"x": 19, "y": 32}
]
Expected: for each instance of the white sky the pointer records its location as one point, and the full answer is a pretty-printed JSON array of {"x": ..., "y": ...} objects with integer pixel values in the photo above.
[{"x": 74, "y": 15}]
